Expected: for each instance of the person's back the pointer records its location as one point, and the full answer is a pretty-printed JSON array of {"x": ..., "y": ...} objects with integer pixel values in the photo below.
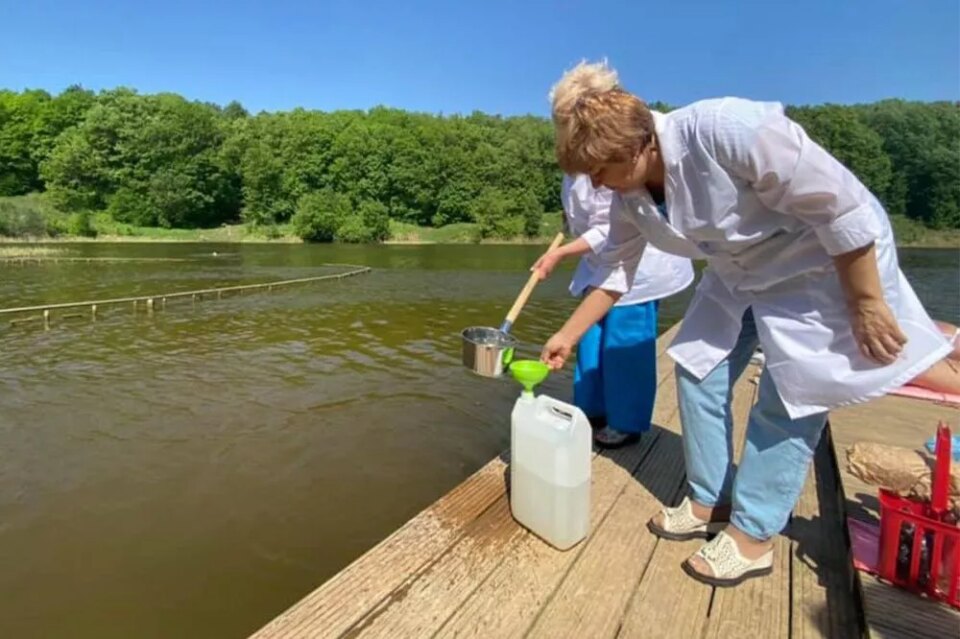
[{"x": 587, "y": 211}]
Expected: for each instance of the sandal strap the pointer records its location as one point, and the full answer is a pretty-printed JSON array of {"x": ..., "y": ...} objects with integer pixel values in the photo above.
[
  {"x": 681, "y": 519},
  {"x": 725, "y": 559}
]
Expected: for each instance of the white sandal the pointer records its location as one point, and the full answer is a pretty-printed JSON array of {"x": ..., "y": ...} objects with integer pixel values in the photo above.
[
  {"x": 680, "y": 524},
  {"x": 728, "y": 565}
]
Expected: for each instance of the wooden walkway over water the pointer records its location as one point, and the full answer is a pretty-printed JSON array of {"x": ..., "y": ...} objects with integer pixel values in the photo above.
[{"x": 464, "y": 568}]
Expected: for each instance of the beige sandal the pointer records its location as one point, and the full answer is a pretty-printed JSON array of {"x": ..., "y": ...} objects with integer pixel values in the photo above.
[
  {"x": 680, "y": 524},
  {"x": 728, "y": 565}
]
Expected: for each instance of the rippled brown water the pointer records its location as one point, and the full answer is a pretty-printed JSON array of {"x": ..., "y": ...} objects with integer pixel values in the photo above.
[{"x": 193, "y": 473}]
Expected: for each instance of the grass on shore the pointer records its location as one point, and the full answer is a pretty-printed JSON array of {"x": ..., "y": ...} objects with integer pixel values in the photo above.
[
  {"x": 29, "y": 218},
  {"x": 467, "y": 233}
]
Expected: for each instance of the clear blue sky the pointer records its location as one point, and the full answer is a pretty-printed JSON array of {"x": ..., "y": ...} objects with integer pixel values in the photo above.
[{"x": 489, "y": 55}]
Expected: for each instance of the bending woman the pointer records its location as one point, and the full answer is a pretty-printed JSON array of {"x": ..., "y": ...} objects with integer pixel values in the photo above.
[{"x": 801, "y": 260}]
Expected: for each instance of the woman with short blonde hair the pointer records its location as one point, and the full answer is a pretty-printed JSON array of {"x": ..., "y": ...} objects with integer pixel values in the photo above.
[{"x": 800, "y": 260}]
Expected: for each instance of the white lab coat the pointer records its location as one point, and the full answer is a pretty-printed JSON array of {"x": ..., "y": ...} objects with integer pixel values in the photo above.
[
  {"x": 588, "y": 216},
  {"x": 748, "y": 191}
]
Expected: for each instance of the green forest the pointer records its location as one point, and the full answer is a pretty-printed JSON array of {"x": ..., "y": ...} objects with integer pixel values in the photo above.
[{"x": 164, "y": 161}]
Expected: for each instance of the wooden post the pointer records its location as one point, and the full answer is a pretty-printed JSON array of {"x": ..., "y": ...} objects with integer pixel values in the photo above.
[
  {"x": 163, "y": 303},
  {"x": 150, "y": 306},
  {"x": 46, "y": 319},
  {"x": 93, "y": 312},
  {"x": 219, "y": 293}
]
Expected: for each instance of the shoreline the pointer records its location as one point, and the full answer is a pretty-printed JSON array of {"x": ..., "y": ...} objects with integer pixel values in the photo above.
[
  {"x": 134, "y": 239},
  {"x": 939, "y": 243}
]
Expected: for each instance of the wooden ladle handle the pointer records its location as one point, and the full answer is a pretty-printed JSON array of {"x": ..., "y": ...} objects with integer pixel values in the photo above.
[{"x": 527, "y": 290}]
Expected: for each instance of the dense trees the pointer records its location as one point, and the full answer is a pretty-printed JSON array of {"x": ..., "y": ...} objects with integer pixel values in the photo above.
[
  {"x": 923, "y": 144},
  {"x": 160, "y": 160},
  {"x": 149, "y": 160},
  {"x": 420, "y": 169},
  {"x": 907, "y": 153},
  {"x": 30, "y": 123}
]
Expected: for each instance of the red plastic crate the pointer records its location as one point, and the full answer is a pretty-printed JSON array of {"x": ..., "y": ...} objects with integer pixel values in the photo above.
[{"x": 919, "y": 548}]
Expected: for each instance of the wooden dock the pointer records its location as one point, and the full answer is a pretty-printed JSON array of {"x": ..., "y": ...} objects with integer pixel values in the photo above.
[{"x": 464, "y": 568}]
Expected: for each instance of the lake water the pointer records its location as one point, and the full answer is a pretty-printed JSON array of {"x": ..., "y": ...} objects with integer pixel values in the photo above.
[{"x": 194, "y": 472}]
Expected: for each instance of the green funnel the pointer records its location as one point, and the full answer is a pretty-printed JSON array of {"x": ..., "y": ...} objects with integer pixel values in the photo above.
[{"x": 529, "y": 372}]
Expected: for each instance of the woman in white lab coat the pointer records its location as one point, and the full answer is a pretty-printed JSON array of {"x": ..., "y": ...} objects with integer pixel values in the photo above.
[
  {"x": 615, "y": 378},
  {"x": 801, "y": 260}
]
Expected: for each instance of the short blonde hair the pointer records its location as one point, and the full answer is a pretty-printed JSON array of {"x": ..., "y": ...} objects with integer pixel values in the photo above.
[{"x": 595, "y": 120}]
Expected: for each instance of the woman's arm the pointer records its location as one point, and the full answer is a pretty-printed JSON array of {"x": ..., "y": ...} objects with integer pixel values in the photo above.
[
  {"x": 874, "y": 327},
  {"x": 590, "y": 311},
  {"x": 549, "y": 260},
  {"x": 593, "y": 240}
]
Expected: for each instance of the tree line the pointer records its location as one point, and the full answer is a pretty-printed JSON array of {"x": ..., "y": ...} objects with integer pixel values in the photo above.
[{"x": 161, "y": 160}]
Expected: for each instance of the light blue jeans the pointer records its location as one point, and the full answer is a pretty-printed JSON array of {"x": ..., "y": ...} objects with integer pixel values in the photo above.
[{"x": 764, "y": 488}]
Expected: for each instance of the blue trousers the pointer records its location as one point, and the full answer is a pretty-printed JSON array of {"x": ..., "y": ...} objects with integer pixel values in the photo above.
[
  {"x": 616, "y": 372},
  {"x": 778, "y": 450}
]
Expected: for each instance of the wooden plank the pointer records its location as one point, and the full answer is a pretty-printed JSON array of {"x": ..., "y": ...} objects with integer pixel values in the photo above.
[
  {"x": 508, "y": 601},
  {"x": 810, "y": 614},
  {"x": 419, "y": 606},
  {"x": 666, "y": 598},
  {"x": 896, "y": 614},
  {"x": 758, "y": 607},
  {"x": 822, "y": 586},
  {"x": 843, "y": 591},
  {"x": 591, "y": 600},
  {"x": 332, "y": 608},
  {"x": 894, "y": 420}
]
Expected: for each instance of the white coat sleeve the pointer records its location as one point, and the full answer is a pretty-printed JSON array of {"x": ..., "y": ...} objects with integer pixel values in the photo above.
[
  {"x": 599, "y": 222},
  {"x": 792, "y": 174},
  {"x": 621, "y": 253}
]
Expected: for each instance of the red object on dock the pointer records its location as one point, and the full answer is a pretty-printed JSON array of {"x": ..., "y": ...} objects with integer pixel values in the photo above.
[{"x": 919, "y": 548}]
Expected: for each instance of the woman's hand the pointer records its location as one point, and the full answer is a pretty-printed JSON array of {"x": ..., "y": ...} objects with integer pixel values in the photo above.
[
  {"x": 547, "y": 262},
  {"x": 557, "y": 350},
  {"x": 591, "y": 310},
  {"x": 876, "y": 331},
  {"x": 874, "y": 327}
]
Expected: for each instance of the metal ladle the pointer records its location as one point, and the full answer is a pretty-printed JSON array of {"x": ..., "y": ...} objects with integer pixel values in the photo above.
[{"x": 488, "y": 351}]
